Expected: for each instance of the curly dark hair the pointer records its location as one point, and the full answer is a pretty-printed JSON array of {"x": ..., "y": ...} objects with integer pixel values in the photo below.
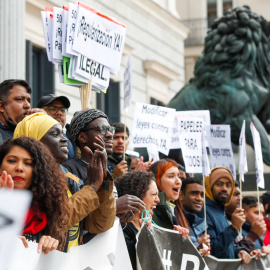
[
  {"x": 134, "y": 183},
  {"x": 49, "y": 187}
]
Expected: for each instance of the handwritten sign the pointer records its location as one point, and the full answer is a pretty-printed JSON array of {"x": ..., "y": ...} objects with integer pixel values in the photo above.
[
  {"x": 204, "y": 114},
  {"x": 219, "y": 139},
  {"x": 152, "y": 125},
  {"x": 258, "y": 156},
  {"x": 190, "y": 132},
  {"x": 45, "y": 23},
  {"x": 64, "y": 32},
  {"x": 57, "y": 34},
  {"x": 128, "y": 83},
  {"x": 99, "y": 37}
]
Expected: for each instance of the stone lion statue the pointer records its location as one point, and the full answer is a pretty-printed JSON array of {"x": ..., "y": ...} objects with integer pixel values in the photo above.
[{"x": 232, "y": 78}]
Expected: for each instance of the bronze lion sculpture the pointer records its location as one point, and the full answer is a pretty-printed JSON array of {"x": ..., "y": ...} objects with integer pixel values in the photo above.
[{"x": 232, "y": 77}]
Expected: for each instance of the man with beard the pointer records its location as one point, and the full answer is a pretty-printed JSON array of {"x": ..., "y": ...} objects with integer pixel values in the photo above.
[
  {"x": 91, "y": 128},
  {"x": 57, "y": 108},
  {"x": 219, "y": 191},
  {"x": 15, "y": 98}
]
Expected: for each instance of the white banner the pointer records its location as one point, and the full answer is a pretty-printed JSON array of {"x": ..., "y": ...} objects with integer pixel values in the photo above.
[
  {"x": 219, "y": 139},
  {"x": 99, "y": 37},
  {"x": 106, "y": 251},
  {"x": 152, "y": 125},
  {"x": 190, "y": 133},
  {"x": 258, "y": 156},
  {"x": 128, "y": 83},
  {"x": 243, "y": 168}
]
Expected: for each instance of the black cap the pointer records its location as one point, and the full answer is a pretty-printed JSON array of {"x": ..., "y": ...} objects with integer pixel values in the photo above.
[{"x": 45, "y": 100}]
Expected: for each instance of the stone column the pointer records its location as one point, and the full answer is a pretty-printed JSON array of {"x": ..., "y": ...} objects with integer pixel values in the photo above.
[{"x": 12, "y": 39}]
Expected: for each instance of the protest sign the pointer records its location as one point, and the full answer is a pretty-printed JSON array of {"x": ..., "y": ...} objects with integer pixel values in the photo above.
[
  {"x": 242, "y": 150},
  {"x": 128, "y": 83},
  {"x": 205, "y": 114},
  {"x": 258, "y": 156},
  {"x": 152, "y": 125},
  {"x": 190, "y": 133},
  {"x": 13, "y": 209},
  {"x": 71, "y": 22},
  {"x": 159, "y": 248},
  {"x": 101, "y": 74},
  {"x": 153, "y": 153},
  {"x": 205, "y": 162},
  {"x": 106, "y": 251},
  {"x": 219, "y": 139},
  {"x": 45, "y": 16},
  {"x": 67, "y": 80},
  {"x": 57, "y": 34},
  {"x": 64, "y": 32},
  {"x": 99, "y": 37}
]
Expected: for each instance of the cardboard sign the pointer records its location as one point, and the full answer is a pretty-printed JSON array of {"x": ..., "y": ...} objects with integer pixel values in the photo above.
[
  {"x": 205, "y": 114},
  {"x": 152, "y": 125},
  {"x": 219, "y": 139},
  {"x": 258, "y": 156},
  {"x": 99, "y": 37},
  {"x": 243, "y": 168},
  {"x": 190, "y": 133},
  {"x": 128, "y": 83},
  {"x": 57, "y": 34}
]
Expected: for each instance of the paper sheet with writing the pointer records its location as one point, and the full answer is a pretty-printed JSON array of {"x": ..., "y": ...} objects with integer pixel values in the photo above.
[
  {"x": 99, "y": 38},
  {"x": 243, "y": 168},
  {"x": 128, "y": 83},
  {"x": 221, "y": 153},
  {"x": 152, "y": 125}
]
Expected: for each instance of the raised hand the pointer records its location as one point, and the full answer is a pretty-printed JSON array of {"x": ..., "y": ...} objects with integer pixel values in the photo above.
[{"x": 6, "y": 181}]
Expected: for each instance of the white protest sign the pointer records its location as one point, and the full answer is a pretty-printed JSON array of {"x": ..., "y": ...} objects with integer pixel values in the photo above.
[
  {"x": 72, "y": 74},
  {"x": 153, "y": 153},
  {"x": 101, "y": 74},
  {"x": 152, "y": 125},
  {"x": 243, "y": 168},
  {"x": 258, "y": 156},
  {"x": 190, "y": 133},
  {"x": 72, "y": 17},
  {"x": 13, "y": 208},
  {"x": 128, "y": 83},
  {"x": 64, "y": 32},
  {"x": 219, "y": 139},
  {"x": 57, "y": 35},
  {"x": 205, "y": 114},
  {"x": 205, "y": 162},
  {"x": 99, "y": 37},
  {"x": 45, "y": 16}
]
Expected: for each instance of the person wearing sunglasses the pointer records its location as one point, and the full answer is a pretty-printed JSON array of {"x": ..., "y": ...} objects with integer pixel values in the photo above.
[
  {"x": 91, "y": 128},
  {"x": 57, "y": 107}
]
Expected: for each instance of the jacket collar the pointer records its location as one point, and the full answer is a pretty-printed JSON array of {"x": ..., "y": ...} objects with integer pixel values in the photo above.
[{"x": 215, "y": 205}]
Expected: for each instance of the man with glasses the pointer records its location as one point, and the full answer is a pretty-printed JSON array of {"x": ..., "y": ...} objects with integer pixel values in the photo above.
[
  {"x": 57, "y": 108},
  {"x": 90, "y": 129}
]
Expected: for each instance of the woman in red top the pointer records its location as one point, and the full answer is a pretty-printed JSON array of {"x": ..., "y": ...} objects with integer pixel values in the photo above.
[{"x": 27, "y": 164}]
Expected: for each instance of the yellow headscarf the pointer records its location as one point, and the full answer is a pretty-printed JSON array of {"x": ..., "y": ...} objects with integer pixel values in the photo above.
[
  {"x": 217, "y": 173},
  {"x": 35, "y": 125}
]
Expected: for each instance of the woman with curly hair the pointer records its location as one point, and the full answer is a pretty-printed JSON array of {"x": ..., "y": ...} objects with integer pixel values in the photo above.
[
  {"x": 142, "y": 185},
  {"x": 28, "y": 165}
]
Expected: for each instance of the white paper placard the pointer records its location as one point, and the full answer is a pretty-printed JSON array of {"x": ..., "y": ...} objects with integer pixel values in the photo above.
[
  {"x": 258, "y": 156},
  {"x": 45, "y": 23},
  {"x": 99, "y": 37},
  {"x": 152, "y": 125},
  {"x": 243, "y": 168},
  {"x": 128, "y": 83},
  {"x": 57, "y": 34},
  {"x": 205, "y": 161},
  {"x": 64, "y": 32},
  {"x": 219, "y": 139}
]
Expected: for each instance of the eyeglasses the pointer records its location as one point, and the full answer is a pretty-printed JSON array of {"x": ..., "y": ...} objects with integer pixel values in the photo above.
[
  {"x": 103, "y": 129},
  {"x": 53, "y": 110}
]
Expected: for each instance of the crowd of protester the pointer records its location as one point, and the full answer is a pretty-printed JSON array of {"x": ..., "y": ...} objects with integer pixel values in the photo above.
[{"x": 82, "y": 179}]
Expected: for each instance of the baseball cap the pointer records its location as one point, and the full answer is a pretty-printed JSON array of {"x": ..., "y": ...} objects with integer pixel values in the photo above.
[{"x": 45, "y": 100}]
